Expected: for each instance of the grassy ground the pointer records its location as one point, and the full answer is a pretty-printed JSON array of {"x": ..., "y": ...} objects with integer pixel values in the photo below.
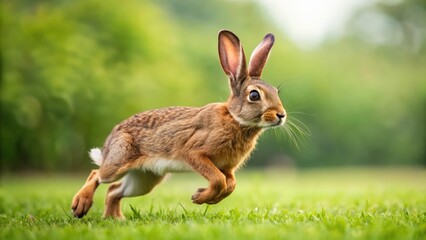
[{"x": 320, "y": 204}]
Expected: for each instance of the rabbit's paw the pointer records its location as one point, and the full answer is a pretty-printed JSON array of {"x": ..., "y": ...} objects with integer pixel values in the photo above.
[
  {"x": 81, "y": 204},
  {"x": 201, "y": 196}
]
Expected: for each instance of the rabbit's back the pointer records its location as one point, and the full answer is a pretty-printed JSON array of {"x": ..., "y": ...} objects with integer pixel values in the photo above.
[{"x": 176, "y": 132}]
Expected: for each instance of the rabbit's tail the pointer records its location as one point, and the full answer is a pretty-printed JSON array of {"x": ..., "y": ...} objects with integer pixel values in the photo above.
[{"x": 96, "y": 156}]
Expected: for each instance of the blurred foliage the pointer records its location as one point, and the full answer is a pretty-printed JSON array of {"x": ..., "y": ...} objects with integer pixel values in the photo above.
[
  {"x": 71, "y": 70},
  {"x": 401, "y": 24}
]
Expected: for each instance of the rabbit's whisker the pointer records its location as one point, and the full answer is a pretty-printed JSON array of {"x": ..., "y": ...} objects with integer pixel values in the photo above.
[{"x": 297, "y": 131}]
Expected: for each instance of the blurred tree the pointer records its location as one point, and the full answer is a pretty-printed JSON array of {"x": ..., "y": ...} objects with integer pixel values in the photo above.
[
  {"x": 70, "y": 73},
  {"x": 400, "y": 24}
]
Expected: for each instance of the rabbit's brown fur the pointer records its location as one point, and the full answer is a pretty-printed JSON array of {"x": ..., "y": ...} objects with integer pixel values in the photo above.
[{"x": 213, "y": 140}]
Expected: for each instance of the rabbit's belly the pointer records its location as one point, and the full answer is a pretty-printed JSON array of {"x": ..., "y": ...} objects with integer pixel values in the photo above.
[{"x": 162, "y": 166}]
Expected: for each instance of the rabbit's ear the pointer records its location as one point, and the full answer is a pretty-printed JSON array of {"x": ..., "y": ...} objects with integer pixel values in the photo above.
[
  {"x": 232, "y": 59},
  {"x": 260, "y": 56}
]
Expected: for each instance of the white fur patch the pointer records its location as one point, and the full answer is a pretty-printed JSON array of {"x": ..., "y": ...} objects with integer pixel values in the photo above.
[
  {"x": 162, "y": 166},
  {"x": 96, "y": 156}
]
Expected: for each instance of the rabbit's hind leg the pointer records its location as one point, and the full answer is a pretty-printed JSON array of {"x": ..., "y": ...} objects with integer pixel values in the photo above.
[
  {"x": 107, "y": 173},
  {"x": 118, "y": 151},
  {"x": 121, "y": 156},
  {"x": 135, "y": 183},
  {"x": 83, "y": 200}
]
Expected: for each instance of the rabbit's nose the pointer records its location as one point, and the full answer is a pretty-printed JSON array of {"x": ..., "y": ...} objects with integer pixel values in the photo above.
[{"x": 280, "y": 115}]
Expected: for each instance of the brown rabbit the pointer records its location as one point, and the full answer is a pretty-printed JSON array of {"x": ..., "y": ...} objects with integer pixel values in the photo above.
[{"x": 213, "y": 140}]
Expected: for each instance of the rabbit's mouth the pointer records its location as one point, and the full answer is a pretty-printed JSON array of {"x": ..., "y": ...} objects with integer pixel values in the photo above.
[
  {"x": 279, "y": 123},
  {"x": 273, "y": 119}
]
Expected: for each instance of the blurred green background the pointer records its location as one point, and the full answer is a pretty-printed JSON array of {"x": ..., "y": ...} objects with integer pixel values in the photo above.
[{"x": 71, "y": 70}]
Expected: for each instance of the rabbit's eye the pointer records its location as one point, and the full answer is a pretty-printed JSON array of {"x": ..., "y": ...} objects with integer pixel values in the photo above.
[{"x": 254, "y": 95}]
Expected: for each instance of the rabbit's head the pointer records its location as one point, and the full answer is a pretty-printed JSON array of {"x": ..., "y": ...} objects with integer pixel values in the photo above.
[{"x": 253, "y": 102}]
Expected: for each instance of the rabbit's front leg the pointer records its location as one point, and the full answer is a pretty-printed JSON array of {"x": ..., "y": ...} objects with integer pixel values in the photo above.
[
  {"x": 217, "y": 181},
  {"x": 230, "y": 186}
]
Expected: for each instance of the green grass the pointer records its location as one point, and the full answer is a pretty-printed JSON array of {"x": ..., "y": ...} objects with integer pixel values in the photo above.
[{"x": 320, "y": 204}]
